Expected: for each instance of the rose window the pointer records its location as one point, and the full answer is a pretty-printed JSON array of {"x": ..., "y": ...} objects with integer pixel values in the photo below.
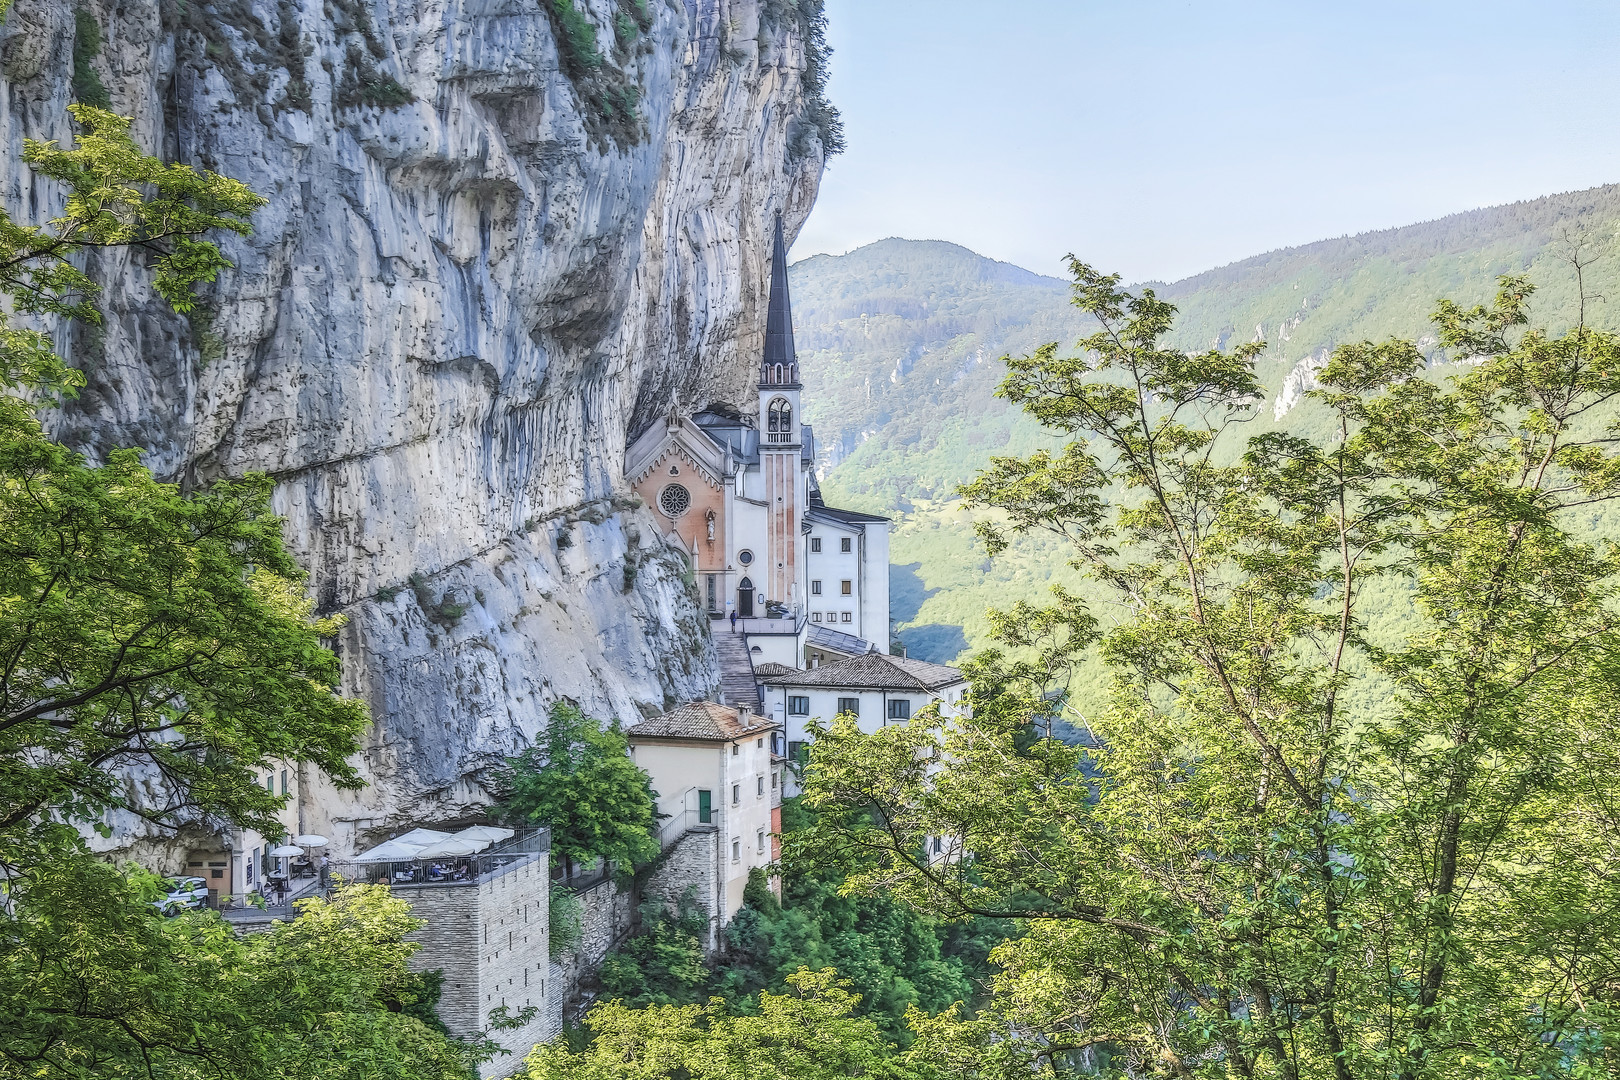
[{"x": 675, "y": 500}]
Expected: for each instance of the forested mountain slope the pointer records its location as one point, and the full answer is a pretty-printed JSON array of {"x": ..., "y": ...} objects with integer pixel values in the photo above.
[{"x": 901, "y": 344}]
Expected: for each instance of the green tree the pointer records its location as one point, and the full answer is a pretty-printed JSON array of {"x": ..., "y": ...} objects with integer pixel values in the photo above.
[
  {"x": 1239, "y": 880},
  {"x": 93, "y": 983},
  {"x": 139, "y": 627},
  {"x": 579, "y": 780},
  {"x": 808, "y": 1033}
]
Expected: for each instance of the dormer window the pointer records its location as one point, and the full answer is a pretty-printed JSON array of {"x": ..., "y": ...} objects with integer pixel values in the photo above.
[{"x": 779, "y": 421}]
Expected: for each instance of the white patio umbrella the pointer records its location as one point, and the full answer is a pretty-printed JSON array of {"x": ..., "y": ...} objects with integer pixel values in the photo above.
[
  {"x": 487, "y": 833},
  {"x": 285, "y": 850},
  {"x": 311, "y": 840},
  {"x": 390, "y": 851},
  {"x": 453, "y": 846}
]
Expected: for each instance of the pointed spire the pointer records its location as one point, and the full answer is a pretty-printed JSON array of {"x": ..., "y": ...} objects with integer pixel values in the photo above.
[{"x": 779, "y": 322}]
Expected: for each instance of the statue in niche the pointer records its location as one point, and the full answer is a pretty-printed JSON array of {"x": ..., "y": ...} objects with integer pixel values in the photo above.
[{"x": 709, "y": 517}]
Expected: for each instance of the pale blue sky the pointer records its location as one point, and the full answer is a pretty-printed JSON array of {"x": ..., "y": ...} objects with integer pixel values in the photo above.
[{"x": 1161, "y": 138}]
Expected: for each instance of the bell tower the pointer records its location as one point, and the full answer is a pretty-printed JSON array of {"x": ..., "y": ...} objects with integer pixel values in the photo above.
[{"x": 779, "y": 434}]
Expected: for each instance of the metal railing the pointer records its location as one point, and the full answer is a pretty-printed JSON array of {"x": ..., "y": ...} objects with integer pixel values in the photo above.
[
  {"x": 786, "y": 624},
  {"x": 444, "y": 870}
]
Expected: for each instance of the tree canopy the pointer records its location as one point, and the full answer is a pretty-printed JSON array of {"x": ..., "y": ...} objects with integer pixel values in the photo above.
[
  {"x": 807, "y": 1033},
  {"x": 1239, "y": 878},
  {"x": 94, "y": 984},
  {"x": 157, "y": 651},
  {"x": 579, "y": 781},
  {"x": 142, "y": 631}
]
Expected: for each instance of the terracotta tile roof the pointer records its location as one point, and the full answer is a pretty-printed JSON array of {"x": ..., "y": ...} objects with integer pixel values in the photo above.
[
  {"x": 701, "y": 720},
  {"x": 874, "y": 671}
]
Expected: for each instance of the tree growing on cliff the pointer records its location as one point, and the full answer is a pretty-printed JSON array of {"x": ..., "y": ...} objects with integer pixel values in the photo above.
[
  {"x": 1263, "y": 870},
  {"x": 142, "y": 631},
  {"x": 579, "y": 781}
]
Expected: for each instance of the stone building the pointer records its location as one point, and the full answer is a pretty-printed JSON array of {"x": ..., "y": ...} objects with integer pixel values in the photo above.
[
  {"x": 489, "y": 932},
  {"x": 234, "y": 864}
]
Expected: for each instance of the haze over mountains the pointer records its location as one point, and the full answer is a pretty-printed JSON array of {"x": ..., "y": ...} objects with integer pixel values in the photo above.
[{"x": 901, "y": 344}]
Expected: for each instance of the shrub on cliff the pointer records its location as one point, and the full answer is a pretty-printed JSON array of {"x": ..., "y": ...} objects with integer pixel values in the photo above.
[{"x": 579, "y": 781}]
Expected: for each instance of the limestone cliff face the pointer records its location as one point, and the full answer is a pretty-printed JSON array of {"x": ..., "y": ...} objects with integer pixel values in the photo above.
[{"x": 452, "y": 312}]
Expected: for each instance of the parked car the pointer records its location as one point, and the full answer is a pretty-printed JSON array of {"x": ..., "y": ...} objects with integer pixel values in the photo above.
[{"x": 184, "y": 893}]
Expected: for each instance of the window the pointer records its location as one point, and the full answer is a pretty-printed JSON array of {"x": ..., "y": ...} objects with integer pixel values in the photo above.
[
  {"x": 815, "y": 543},
  {"x": 745, "y": 557},
  {"x": 284, "y": 781},
  {"x": 815, "y": 616},
  {"x": 851, "y": 705},
  {"x": 846, "y": 587},
  {"x": 779, "y": 419},
  {"x": 844, "y": 543},
  {"x": 762, "y": 841},
  {"x": 773, "y": 779},
  {"x": 713, "y": 599},
  {"x": 736, "y": 850},
  {"x": 705, "y": 807},
  {"x": 937, "y": 845},
  {"x": 798, "y": 705},
  {"x": 759, "y": 743},
  {"x": 734, "y": 750},
  {"x": 796, "y": 750},
  {"x": 846, "y": 616},
  {"x": 815, "y": 588},
  {"x": 736, "y": 794},
  {"x": 899, "y": 709},
  {"x": 760, "y": 783},
  {"x": 674, "y": 500}
]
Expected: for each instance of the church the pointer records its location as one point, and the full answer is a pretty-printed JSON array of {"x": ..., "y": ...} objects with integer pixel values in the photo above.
[{"x": 808, "y": 583}]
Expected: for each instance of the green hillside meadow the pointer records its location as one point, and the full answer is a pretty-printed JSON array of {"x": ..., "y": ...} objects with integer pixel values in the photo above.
[{"x": 901, "y": 344}]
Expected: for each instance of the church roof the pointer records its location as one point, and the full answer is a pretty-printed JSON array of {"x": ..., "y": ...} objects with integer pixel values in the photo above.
[
  {"x": 743, "y": 439},
  {"x": 779, "y": 313},
  {"x": 875, "y": 671},
  {"x": 837, "y": 516},
  {"x": 700, "y": 720}
]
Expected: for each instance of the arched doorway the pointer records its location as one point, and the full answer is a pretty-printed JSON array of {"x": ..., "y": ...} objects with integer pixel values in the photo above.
[{"x": 745, "y": 599}]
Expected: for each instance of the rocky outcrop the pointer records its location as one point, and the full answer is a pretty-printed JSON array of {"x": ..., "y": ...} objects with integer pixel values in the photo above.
[
  {"x": 476, "y": 274},
  {"x": 1300, "y": 380}
]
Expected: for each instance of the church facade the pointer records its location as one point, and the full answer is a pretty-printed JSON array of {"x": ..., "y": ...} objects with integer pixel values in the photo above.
[{"x": 737, "y": 491}]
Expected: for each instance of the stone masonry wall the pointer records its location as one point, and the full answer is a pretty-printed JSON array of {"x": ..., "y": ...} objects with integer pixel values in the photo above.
[
  {"x": 448, "y": 945},
  {"x": 691, "y": 864},
  {"x": 492, "y": 940},
  {"x": 607, "y": 916},
  {"x": 515, "y": 912}
]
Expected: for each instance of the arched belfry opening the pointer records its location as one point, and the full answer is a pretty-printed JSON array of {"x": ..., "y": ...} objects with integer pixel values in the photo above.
[{"x": 779, "y": 421}]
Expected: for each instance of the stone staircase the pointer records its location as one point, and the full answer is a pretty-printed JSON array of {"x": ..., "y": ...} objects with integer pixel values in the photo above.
[{"x": 737, "y": 685}]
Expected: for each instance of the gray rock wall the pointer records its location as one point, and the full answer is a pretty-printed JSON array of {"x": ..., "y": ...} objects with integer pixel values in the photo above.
[{"x": 452, "y": 312}]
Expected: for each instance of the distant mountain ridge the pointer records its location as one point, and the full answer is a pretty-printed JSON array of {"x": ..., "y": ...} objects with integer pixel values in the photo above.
[
  {"x": 1536, "y": 219},
  {"x": 900, "y": 345}
]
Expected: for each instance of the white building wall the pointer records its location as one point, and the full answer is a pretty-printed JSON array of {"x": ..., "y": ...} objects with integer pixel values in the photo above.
[
  {"x": 738, "y": 774},
  {"x": 832, "y": 566},
  {"x": 874, "y": 706},
  {"x": 745, "y": 826},
  {"x": 875, "y": 584}
]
